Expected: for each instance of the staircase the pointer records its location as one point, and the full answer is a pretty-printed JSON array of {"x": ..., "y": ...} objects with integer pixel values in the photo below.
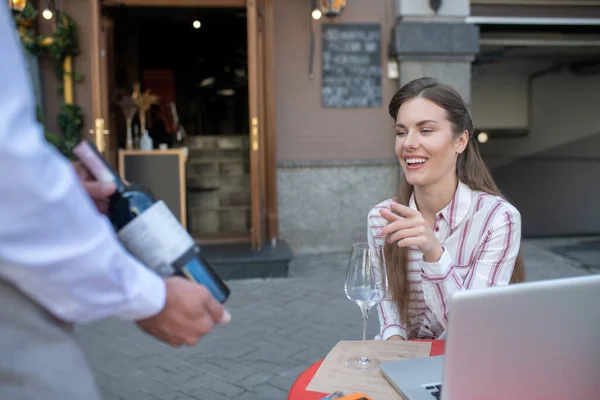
[{"x": 239, "y": 261}]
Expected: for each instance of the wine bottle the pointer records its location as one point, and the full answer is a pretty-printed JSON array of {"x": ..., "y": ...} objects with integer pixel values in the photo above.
[{"x": 149, "y": 230}]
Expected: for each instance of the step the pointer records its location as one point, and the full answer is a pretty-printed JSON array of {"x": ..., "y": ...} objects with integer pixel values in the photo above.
[{"x": 239, "y": 261}]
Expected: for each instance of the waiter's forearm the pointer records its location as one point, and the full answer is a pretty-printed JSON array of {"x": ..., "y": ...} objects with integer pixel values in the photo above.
[{"x": 54, "y": 245}]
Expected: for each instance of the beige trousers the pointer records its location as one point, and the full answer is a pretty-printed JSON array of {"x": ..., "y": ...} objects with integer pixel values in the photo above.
[{"x": 39, "y": 357}]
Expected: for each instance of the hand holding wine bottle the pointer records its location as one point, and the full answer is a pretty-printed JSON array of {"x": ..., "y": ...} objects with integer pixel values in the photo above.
[
  {"x": 149, "y": 230},
  {"x": 190, "y": 312},
  {"x": 151, "y": 233}
]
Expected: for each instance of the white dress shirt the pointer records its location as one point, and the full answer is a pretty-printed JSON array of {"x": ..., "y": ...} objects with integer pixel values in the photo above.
[
  {"x": 480, "y": 234},
  {"x": 54, "y": 245}
]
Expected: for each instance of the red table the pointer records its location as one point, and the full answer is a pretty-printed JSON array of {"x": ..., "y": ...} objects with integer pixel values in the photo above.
[{"x": 299, "y": 392}]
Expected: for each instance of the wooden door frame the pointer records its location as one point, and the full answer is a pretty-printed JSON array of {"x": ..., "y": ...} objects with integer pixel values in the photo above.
[
  {"x": 101, "y": 77},
  {"x": 270, "y": 122},
  {"x": 268, "y": 78},
  {"x": 177, "y": 3},
  {"x": 107, "y": 71},
  {"x": 96, "y": 62},
  {"x": 257, "y": 236}
]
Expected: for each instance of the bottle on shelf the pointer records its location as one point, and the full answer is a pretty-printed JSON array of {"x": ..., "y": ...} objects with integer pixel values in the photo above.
[
  {"x": 146, "y": 142},
  {"x": 129, "y": 136},
  {"x": 149, "y": 230},
  {"x": 136, "y": 136}
]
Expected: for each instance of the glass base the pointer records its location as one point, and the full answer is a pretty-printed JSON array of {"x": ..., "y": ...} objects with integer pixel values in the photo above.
[{"x": 366, "y": 365}]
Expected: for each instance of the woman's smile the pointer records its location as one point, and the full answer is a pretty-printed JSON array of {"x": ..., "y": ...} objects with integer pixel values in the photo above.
[{"x": 415, "y": 162}]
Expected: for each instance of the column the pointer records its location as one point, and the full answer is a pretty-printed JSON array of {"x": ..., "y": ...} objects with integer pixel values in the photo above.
[{"x": 433, "y": 38}]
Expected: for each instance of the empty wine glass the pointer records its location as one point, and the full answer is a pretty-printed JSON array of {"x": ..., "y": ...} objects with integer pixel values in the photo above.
[{"x": 366, "y": 285}]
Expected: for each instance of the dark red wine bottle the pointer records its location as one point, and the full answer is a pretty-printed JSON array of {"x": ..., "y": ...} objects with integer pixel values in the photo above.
[{"x": 149, "y": 230}]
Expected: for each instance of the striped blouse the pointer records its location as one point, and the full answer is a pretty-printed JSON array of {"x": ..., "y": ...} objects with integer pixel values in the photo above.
[{"x": 480, "y": 234}]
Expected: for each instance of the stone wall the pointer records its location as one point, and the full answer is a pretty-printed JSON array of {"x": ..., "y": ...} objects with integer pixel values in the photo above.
[{"x": 324, "y": 208}]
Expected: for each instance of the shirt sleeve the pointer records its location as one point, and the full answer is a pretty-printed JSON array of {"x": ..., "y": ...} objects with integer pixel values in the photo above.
[
  {"x": 493, "y": 265},
  {"x": 54, "y": 245},
  {"x": 389, "y": 318}
]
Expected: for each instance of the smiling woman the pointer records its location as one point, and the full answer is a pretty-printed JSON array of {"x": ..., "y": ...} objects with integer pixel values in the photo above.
[{"x": 449, "y": 228}]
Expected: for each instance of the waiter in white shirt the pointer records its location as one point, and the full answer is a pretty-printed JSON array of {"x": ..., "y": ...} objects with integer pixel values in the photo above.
[{"x": 60, "y": 261}]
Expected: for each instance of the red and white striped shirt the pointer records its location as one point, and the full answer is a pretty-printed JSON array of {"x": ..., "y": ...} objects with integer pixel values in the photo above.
[{"x": 480, "y": 234}]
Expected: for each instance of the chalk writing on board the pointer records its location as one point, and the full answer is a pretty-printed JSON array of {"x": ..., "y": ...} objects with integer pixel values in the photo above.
[{"x": 351, "y": 58}]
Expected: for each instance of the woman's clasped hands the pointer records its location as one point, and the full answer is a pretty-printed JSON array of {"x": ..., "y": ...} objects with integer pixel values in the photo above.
[{"x": 410, "y": 229}]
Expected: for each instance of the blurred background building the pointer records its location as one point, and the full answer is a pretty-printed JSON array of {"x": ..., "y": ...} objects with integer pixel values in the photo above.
[{"x": 281, "y": 107}]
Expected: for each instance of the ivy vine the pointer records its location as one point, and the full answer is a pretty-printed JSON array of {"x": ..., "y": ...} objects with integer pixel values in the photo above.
[{"x": 62, "y": 43}]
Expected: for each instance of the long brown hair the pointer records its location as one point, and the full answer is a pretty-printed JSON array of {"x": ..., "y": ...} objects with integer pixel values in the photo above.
[{"x": 470, "y": 169}]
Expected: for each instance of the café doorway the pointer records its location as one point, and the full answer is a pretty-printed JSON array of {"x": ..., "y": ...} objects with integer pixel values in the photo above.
[{"x": 209, "y": 66}]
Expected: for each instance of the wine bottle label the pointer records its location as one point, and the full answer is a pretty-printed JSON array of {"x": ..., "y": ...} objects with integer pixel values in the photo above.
[{"x": 156, "y": 238}]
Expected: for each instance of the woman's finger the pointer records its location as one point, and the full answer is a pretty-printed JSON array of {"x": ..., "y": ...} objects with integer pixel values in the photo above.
[
  {"x": 392, "y": 217},
  {"x": 410, "y": 241},
  {"x": 404, "y": 211},
  {"x": 389, "y": 215},
  {"x": 405, "y": 233},
  {"x": 396, "y": 226}
]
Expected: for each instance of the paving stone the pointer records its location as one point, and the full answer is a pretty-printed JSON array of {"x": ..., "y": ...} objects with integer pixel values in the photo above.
[
  {"x": 126, "y": 385},
  {"x": 282, "y": 383},
  {"x": 176, "y": 380},
  {"x": 142, "y": 395},
  {"x": 109, "y": 366},
  {"x": 207, "y": 394},
  {"x": 227, "y": 389},
  {"x": 101, "y": 377},
  {"x": 167, "y": 364},
  {"x": 249, "y": 395},
  {"x": 255, "y": 379},
  {"x": 267, "y": 391},
  {"x": 186, "y": 397},
  {"x": 106, "y": 395},
  {"x": 237, "y": 371},
  {"x": 279, "y": 328},
  {"x": 210, "y": 368},
  {"x": 160, "y": 390},
  {"x": 267, "y": 366},
  {"x": 295, "y": 372},
  {"x": 197, "y": 382}
]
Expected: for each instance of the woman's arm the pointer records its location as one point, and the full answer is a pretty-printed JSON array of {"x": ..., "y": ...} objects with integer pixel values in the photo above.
[
  {"x": 492, "y": 265},
  {"x": 389, "y": 320}
]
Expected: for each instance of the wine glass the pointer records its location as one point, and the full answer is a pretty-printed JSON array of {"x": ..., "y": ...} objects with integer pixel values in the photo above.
[{"x": 366, "y": 285}]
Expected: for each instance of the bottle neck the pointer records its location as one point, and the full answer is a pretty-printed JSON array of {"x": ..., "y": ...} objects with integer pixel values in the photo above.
[
  {"x": 91, "y": 158},
  {"x": 120, "y": 186}
]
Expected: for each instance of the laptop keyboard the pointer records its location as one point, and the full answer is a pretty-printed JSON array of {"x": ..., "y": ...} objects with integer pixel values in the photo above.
[{"x": 434, "y": 390}]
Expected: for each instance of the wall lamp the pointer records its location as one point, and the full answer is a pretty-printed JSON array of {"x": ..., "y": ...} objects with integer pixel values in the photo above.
[
  {"x": 329, "y": 8},
  {"x": 17, "y": 5},
  {"x": 332, "y": 8}
]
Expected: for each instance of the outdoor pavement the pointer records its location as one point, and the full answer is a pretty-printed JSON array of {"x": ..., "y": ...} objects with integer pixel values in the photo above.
[{"x": 279, "y": 328}]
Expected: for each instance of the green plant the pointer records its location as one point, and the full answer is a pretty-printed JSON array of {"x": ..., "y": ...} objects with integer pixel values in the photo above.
[{"x": 62, "y": 43}]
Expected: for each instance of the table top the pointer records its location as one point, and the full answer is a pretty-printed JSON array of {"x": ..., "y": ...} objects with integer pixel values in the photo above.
[{"x": 299, "y": 392}]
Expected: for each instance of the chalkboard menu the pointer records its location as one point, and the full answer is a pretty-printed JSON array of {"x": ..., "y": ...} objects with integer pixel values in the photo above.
[{"x": 351, "y": 66}]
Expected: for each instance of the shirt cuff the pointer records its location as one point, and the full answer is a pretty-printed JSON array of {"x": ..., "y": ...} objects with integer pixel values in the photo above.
[
  {"x": 390, "y": 331},
  {"x": 438, "y": 269},
  {"x": 149, "y": 299}
]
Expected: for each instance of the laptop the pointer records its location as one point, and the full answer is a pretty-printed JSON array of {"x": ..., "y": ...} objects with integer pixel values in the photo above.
[{"x": 534, "y": 340}]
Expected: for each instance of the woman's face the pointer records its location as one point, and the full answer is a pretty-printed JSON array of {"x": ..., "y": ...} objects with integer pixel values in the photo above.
[{"x": 425, "y": 143}]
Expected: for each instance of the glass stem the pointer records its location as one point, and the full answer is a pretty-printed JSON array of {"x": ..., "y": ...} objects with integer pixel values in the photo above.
[{"x": 365, "y": 314}]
